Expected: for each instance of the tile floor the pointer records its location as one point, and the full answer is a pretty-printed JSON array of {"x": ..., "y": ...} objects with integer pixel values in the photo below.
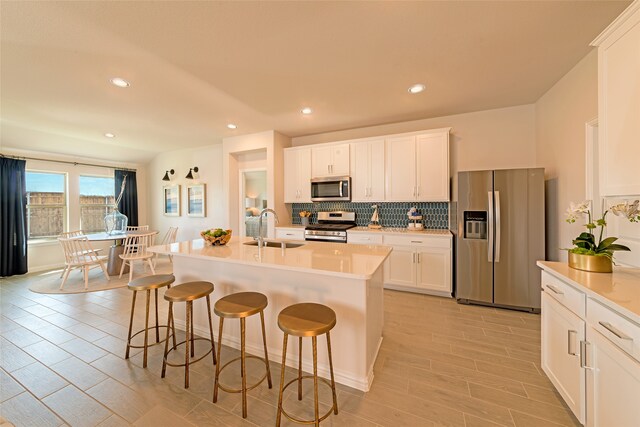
[{"x": 61, "y": 360}]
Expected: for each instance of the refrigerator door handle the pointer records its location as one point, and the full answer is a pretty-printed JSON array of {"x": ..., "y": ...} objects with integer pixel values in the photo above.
[
  {"x": 490, "y": 231},
  {"x": 498, "y": 226}
]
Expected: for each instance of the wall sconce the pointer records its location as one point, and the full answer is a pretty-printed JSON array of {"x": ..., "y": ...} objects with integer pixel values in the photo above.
[
  {"x": 193, "y": 173},
  {"x": 166, "y": 176}
]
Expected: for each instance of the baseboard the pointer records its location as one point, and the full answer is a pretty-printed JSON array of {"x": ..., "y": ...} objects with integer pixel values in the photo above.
[
  {"x": 46, "y": 267},
  {"x": 446, "y": 294}
]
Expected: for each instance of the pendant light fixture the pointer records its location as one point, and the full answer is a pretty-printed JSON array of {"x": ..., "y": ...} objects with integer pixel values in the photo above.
[
  {"x": 166, "y": 176},
  {"x": 193, "y": 173}
]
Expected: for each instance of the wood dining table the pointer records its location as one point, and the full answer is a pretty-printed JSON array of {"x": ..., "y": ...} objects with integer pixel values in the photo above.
[{"x": 114, "y": 261}]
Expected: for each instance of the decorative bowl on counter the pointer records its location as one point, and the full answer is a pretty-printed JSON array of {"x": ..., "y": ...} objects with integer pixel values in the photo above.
[{"x": 216, "y": 236}]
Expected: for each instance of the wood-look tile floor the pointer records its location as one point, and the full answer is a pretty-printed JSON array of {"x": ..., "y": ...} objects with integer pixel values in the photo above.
[{"x": 62, "y": 363}]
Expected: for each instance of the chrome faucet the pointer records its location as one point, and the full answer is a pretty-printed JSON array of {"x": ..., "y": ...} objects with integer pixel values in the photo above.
[{"x": 264, "y": 212}]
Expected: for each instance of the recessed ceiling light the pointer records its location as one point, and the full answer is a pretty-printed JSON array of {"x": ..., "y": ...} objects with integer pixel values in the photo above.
[
  {"x": 109, "y": 135},
  {"x": 232, "y": 126},
  {"x": 417, "y": 88},
  {"x": 306, "y": 110},
  {"x": 120, "y": 82}
]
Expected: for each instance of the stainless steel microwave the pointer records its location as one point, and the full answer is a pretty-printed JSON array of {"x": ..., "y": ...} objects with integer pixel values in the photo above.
[{"x": 334, "y": 188}]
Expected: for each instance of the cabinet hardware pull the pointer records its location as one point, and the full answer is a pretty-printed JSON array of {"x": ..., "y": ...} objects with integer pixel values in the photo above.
[
  {"x": 583, "y": 355},
  {"x": 615, "y": 331},
  {"x": 418, "y": 191},
  {"x": 418, "y": 257},
  {"x": 555, "y": 291},
  {"x": 416, "y": 241},
  {"x": 569, "y": 341},
  {"x": 413, "y": 257}
]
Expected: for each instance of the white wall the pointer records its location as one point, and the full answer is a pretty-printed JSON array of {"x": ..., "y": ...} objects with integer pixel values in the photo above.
[
  {"x": 492, "y": 139},
  {"x": 209, "y": 162},
  {"x": 561, "y": 114},
  {"x": 48, "y": 254}
]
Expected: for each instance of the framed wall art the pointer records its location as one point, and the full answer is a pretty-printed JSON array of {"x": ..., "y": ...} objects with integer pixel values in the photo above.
[
  {"x": 171, "y": 200},
  {"x": 197, "y": 200}
]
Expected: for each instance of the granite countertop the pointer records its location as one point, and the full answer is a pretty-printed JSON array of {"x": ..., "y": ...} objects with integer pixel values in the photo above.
[
  {"x": 332, "y": 259},
  {"x": 619, "y": 290},
  {"x": 401, "y": 230}
]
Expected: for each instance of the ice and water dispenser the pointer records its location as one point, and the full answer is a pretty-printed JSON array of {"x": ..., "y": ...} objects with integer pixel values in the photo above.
[{"x": 475, "y": 225}]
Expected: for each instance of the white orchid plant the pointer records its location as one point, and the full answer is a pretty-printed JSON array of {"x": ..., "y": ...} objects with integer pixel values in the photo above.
[{"x": 586, "y": 242}]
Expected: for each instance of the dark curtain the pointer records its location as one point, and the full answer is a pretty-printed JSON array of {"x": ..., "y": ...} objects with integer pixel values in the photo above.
[
  {"x": 129, "y": 203},
  {"x": 13, "y": 217}
]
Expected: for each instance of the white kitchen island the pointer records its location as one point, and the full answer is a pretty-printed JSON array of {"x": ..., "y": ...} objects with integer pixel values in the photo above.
[{"x": 347, "y": 278}]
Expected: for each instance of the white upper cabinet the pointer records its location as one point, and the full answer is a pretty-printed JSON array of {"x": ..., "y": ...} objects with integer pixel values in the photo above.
[
  {"x": 297, "y": 175},
  {"x": 367, "y": 171},
  {"x": 330, "y": 160},
  {"x": 418, "y": 167},
  {"x": 619, "y": 104}
]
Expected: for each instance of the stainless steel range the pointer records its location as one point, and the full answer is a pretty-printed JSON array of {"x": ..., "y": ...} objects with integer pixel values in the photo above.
[{"x": 331, "y": 227}]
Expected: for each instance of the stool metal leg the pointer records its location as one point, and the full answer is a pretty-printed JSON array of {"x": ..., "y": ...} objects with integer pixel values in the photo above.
[
  {"x": 283, "y": 366},
  {"x": 187, "y": 341},
  {"x": 333, "y": 381},
  {"x": 166, "y": 344},
  {"x": 213, "y": 345},
  {"x": 157, "y": 326},
  {"x": 243, "y": 367},
  {"x": 314, "y": 342},
  {"x": 215, "y": 385},
  {"x": 266, "y": 354},
  {"x": 133, "y": 307},
  {"x": 193, "y": 346},
  {"x": 146, "y": 329},
  {"x": 299, "y": 368}
]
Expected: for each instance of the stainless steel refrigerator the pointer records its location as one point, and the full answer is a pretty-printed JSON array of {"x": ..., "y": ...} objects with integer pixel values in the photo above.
[{"x": 500, "y": 236}]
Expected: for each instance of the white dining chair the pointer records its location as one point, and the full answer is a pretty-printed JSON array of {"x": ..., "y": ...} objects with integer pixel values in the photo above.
[
  {"x": 78, "y": 253},
  {"x": 136, "y": 249},
  {"x": 169, "y": 237},
  {"x": 73, "y": 234},
  {"x": 137, "y": 228}
]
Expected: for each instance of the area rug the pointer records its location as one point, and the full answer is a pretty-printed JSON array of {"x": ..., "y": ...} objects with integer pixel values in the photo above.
[{"x": 48, "y": 282}]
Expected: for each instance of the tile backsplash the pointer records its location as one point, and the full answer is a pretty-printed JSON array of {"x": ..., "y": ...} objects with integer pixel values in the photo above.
[{"x": 391, "y": 214}]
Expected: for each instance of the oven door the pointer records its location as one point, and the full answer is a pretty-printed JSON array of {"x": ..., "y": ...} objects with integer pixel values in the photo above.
[{"x": 331, "y": 189}]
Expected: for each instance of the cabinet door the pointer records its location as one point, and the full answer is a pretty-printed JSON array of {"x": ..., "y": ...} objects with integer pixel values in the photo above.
[
  {"x": 304, "y": 175},
  {"x": 400, "y": 267},
  {"x": 376, "y": 171},
  {"x": 291, "y": 176},
  {"x": 361, "y": 171},
  {"x": 613, "y": 384},
  {"x": 321, "y": 161},
  {"x": 401, "y": 169},
  {"x": 434, "y": 269},
  {"x": 432, "y": 173},
  {"x": 561, "y": 333},
  {"x": 340, "y": 160}
]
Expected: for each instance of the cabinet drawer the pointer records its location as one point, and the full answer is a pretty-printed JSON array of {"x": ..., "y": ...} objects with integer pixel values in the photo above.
[
  {"x": 290, "y": 233},
  {"x": 417, "y": 240},
  {"x": 618, "y": 329},
  {"x": 565, "y": 294},
  {"x": 364, "y": 239}
]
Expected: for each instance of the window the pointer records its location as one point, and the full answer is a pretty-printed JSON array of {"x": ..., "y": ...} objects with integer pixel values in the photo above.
[
  {"x": 96, "y": 200},
  {"x": 46, "y": 204}
]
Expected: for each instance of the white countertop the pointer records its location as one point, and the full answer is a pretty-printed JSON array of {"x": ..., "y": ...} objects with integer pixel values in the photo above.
[
  {"x": 620, "y": 289},
  {"x": 400, "y": 230},
  {"x": 332, "y": 259}
]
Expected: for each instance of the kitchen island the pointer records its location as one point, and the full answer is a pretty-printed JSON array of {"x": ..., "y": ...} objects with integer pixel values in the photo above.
[{"x": 347, "y": 278}]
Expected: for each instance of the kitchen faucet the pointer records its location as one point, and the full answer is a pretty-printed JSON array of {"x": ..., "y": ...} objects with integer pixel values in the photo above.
[{"x": 264, "y": 212}]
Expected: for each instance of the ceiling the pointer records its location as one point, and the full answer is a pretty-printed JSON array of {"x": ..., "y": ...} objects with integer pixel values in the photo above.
[{"x": 194, "y": 67}]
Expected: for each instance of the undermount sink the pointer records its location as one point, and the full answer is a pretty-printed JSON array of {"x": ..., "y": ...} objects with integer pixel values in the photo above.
[{"x": 272, "y": 244}]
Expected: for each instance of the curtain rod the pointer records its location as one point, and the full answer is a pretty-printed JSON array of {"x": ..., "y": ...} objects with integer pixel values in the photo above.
[{"x": 66, "y": 162}]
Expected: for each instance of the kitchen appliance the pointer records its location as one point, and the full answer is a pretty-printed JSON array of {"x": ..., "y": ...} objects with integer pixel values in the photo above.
[
  {"x": 335, "y": 188},
  {"x": 331, "y": 227},
  {"x": 500, "y": 236}
]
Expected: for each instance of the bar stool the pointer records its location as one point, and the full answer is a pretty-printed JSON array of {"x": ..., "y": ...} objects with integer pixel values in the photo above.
[
  {"x": 240, "y": 306},
  {"x": 307, "y": 320},
  {"x": 147, "y": 283},
  {"x": 188, "y": 292}
]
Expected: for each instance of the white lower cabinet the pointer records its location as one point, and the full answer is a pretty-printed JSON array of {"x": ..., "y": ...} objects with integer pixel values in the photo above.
[
  {"x": 562, "y": 332},
  {"x": 591, "y": 354},
  {"x": 292, "y": 233},
  {"x": 400, "y": 267}
]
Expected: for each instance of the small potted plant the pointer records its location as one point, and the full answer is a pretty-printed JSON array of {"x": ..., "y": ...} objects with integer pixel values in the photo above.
[{"x": 594, "y": 255}]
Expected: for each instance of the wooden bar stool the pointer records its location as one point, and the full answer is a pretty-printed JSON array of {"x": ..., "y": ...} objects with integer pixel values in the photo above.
[
  {"x": 147, "y": 283},
  {"x": 306, "y": 320},
  {"x": 240, "y": 306},
  {"x": 188, "y": 292}
]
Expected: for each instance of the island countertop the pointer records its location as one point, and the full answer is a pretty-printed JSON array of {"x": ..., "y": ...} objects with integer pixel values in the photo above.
[{"x": 332, "y": 259}]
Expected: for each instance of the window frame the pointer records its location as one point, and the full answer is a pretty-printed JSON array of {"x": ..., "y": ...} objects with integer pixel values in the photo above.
[
  {"x": 65, "y": 207},
  {"x": 80, "y": 205}
]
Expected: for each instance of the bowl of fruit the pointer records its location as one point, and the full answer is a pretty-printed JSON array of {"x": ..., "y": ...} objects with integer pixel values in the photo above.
[{"x": 216, "y": 236}]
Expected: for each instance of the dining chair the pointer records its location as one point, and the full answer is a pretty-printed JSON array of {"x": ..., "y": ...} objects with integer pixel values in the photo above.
[
  {"x": 137, "y": 228},
  {"x": 74, "y": 234},
  {"x": 78, "y": 253},
  {"x": 135, "y": 249},
  {"x": 169, "y": 237}
]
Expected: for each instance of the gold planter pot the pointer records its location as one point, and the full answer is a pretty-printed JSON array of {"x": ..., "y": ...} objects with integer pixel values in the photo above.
[{"x": 592, "y": 263}]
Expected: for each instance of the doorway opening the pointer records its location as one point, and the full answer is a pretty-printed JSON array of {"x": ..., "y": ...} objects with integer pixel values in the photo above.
[{"x": 253, "y": 198}]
